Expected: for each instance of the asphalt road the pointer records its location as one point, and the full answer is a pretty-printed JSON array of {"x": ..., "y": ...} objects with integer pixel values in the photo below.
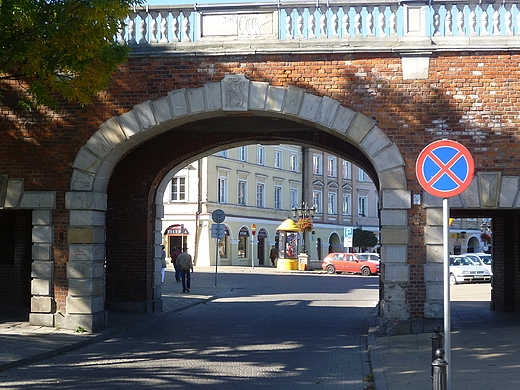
[{"x": 273, "y": 331}]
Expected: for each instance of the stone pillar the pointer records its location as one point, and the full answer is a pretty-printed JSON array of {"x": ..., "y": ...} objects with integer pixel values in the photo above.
[
  {"x": 42, "y": 302},
  {"x": 394, "y": 254},
  {"x": 85, "y": 301},
  {"x": 434, "y": 267},
  {"x": 157, "y": 303}
]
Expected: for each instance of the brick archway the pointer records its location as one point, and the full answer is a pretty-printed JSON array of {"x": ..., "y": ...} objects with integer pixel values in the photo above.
[{"x": 94, "y": 165}]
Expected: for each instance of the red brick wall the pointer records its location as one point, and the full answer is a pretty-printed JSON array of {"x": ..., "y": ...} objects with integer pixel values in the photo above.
[{"x": 469, "y": 97}]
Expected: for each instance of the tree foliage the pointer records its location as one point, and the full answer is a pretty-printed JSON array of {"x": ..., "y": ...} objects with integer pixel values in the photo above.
[
  {"x": 364, "y": 238},
  {"x": 67, "y": 47}
]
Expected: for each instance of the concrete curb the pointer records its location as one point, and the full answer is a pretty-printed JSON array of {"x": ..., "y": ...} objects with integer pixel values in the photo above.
[{"x": 378, "y": 374}]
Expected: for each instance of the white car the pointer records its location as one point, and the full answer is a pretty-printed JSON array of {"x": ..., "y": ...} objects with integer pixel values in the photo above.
[
  {"x": 483, "y": 259},
  {"x": 464, "y": 270}
]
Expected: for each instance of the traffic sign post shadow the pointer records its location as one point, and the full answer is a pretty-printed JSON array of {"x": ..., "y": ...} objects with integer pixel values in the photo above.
[{"x": 445, "y": 168}]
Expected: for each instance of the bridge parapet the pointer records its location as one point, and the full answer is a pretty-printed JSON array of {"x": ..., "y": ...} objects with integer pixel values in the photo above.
[{"x": 448, "y": 23}]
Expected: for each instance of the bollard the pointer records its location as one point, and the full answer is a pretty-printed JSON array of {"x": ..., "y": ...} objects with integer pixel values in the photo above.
[
  {"x": 440, "y": 371},
  {"x": 436, "y": 342}
]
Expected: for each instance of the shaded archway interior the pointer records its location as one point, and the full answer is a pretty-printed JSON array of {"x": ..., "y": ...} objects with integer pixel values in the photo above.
[{"x": 135, "y": 179}]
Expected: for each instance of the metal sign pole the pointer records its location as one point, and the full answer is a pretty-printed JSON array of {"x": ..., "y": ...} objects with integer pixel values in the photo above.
[
  {"x": 447, "y": 308},
  {"x": 216, "y": 260}
]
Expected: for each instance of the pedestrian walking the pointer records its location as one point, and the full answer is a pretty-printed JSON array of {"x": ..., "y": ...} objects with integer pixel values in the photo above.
[
  {"x": 273, "y": 255},
  {"x": 185, "y": 264},
  {"x": 163, "y": 263},
  {"x": 174, "y": 256}
]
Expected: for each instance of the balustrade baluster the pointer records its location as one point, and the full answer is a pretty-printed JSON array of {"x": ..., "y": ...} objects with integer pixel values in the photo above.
[
  {"x": 288, "y": 24},
  {"x": 436, "y": 20},
  {"x": 370, "y": 21},
  {"x": 131, "y": 28},
  {"x": 153, "y": 29},
  {"x": 381, "y": 21},
  {"x": 517, "y": 23},
  {"x": 357, "y": 21},
  {"x": 345, "y": 22},
  {"x": 323, "y": 23},
  {"x": 393, "y": 20},
  {"x": 334, "y": 22},
  {"x": 164, "y": 26},
  {"x": 311, "y": 23},
  {"x": 143, "y": 27},
  {"x": 472, "y": 20},
  {"x": 121, "y": 35},
  {"x": 460, "y": 20},
  {"x": 484, "y": 21},
  {"x": 186, "y": 26},
  {"x": 448, "y": 22},
  {"x": 299, "y": 22},
  {"x": 496, "y": 19},
  {"x": 175, "y": 26},
  {"x": 508, "y": 19}
]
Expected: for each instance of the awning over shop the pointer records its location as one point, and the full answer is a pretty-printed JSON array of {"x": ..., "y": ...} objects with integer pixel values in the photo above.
[{"x": 176, "y": 230}]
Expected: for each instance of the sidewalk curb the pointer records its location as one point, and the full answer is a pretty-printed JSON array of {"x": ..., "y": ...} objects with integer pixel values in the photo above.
[
  {"x": 102, "y": 336},
  {"x": 378, "y": 374}
]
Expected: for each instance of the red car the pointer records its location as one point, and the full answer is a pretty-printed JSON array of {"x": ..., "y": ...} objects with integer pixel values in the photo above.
[{"x": 349, "y": 262}]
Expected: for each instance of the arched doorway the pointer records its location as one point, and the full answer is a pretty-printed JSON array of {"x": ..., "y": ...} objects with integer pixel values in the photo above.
[
  {"x": 335, "y": 244},
  {"x": 262, "y": 235},
  {"x": 196, "y": 123}
]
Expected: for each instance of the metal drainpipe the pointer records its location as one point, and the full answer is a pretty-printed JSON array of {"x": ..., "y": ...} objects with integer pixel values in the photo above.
[{"x": 199, "y": 210}]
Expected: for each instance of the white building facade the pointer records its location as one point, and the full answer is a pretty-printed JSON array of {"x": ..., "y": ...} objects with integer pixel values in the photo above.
[{"x": 257, "y": 186}]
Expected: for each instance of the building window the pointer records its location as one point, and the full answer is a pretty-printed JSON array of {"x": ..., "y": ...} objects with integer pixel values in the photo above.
[
  {"x": 260, "y": 195},
  {"x": 346, "y": 204},
  {"x": 317, "y": 200},
  {"x": 331, "y": 166},
  {"x": 243, "y": 234},
  {"x": 293, "y": 195},
  {"x": 178, "y": 189},
  {"x": 294, "y": 162},
  {"x": 223, "y": 247},
  {"x": 362, "y": 176},
  {"x": 362, "y": 206},
  {"x": 277, "y": 158},
  {"x": 260, "y": 155},
  {"x": 242, "y": 195},
  {"x": 242, "y": 153},
  {"x": 316, "y": 164},
  {"x": 345, "y": 171},
  {"x": 278, "y": 197},
  {"x": 331, "y": 203},
  {"x": 242, "y": 247},
  {"x": 222, "y": 187}
]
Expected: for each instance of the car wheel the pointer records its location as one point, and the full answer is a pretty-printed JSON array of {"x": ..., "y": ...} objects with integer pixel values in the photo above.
[
  {"x": 330, "y": 269},
  {"x": 365, "y": 271},
  {"x": 453, "y": 280}
]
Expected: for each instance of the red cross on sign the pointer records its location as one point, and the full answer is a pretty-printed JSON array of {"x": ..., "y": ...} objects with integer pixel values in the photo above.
[{"x": 445, "y": 168}]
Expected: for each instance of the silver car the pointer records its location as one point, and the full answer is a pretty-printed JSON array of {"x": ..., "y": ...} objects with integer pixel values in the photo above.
[
  {"x": 464, "y": 270},
  {"x": 483, "y": 259}
]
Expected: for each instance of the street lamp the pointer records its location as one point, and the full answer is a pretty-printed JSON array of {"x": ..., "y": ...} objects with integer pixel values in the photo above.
[{"x": 303, "y": 211}]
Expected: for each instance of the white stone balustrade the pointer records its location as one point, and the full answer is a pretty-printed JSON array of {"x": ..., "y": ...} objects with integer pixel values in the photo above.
[{"x": 304, "y": 20}]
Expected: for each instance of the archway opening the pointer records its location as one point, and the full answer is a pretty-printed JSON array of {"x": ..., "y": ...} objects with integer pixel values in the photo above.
[{"x": 133, "y": 207}]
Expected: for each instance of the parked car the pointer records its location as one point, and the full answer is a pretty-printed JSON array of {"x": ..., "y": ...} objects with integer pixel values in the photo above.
[
  {"x": 369, "y": 256},
  {"x": 349, "y": 262},
  {"x": 464, "y": 270},
  {"x": 483, "y": 259}
]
